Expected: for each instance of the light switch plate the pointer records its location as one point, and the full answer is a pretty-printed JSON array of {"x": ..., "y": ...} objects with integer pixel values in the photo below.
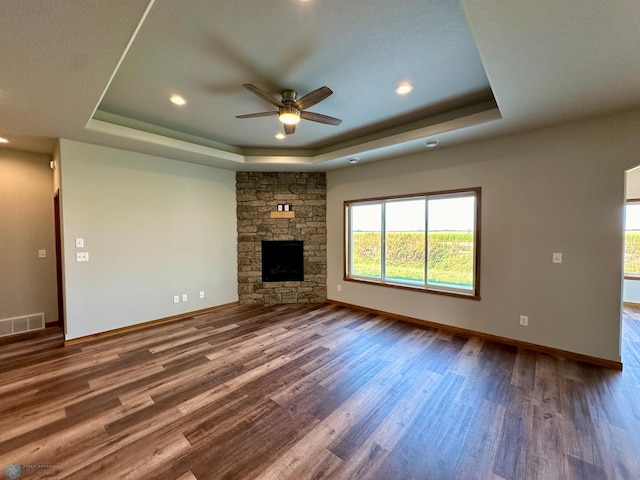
[
  {"x": 42, "y": 254},
  {"x": 79, "y": 242},
  {"x": 557, "y": 258}
]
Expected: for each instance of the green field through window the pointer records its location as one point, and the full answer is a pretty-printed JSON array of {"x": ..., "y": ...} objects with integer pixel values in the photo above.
[
  {"x": 450, "y": 256},
  {"x": 632, "y": 252}
]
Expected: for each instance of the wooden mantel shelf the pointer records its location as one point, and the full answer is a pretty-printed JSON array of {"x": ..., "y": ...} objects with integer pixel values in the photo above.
[{"x": 289, "y": 214}]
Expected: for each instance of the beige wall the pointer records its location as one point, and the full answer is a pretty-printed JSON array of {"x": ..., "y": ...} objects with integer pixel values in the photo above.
[
  {"x": 27, "y": 283},
  {"x": 554, "y": 190},
  {"x": 153, "y": 228}
]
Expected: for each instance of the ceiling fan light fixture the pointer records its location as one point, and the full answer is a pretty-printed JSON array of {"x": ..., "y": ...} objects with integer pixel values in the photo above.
[{"x": 289, "y": 115}]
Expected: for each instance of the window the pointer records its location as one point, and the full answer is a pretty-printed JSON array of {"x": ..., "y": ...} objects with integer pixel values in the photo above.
[
  {"x": 427, "y": 241},
  {"x": 632, "y": 239}
]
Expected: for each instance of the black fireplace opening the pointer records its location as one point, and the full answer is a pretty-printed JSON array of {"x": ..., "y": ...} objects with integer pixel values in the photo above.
[{"x": 282, "y": 261}]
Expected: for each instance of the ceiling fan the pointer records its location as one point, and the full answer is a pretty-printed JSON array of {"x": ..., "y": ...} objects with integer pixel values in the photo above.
[{"x": 291, "y": 109}]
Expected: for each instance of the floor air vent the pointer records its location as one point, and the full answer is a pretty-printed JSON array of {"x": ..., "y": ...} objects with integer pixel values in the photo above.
[{"x": 26, "y": 323}]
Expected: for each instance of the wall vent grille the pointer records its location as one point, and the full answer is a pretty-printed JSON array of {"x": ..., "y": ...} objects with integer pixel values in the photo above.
[{"x": 26, "y": 323}]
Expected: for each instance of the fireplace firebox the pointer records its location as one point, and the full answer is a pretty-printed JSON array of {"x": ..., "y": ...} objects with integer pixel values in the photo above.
[{"x": 282, "y": 261}]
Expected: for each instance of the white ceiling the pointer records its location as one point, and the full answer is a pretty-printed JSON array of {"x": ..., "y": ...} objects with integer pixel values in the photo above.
[{"x": 102, "y": 72}]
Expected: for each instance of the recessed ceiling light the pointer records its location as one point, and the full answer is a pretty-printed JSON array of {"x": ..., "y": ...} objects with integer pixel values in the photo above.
[
  {"x": 354, "y": 160},
  {"x": 431, "y": 143},
  {"x": 404, "y": 88},
  {"x": 177, "y": 100},
  {"x": 280, "y": 135},
  {"x": 3, "y": 140}
]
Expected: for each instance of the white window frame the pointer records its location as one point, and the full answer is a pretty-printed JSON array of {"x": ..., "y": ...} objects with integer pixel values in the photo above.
[{"x": 473, "y": 293}]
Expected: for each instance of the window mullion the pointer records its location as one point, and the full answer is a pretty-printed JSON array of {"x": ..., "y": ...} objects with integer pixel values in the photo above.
[
  {"x": 349, "y": 246},
  {"x": 426, "y": 241},
  {"x": 383, "y": 242}
]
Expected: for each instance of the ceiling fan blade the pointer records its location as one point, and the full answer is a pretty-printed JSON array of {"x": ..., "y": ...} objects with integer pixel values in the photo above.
[
  {"x": 318, "y": 117},
  {"x": 262, "y": 94},
  {"x": 254, "y": 115},
  {"x": 289, "y": 128},
  {"x": 310, "y": 99}
]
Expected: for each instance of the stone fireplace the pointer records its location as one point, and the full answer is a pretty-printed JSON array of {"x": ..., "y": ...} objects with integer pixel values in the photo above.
[{"x": 302, "y": 226}]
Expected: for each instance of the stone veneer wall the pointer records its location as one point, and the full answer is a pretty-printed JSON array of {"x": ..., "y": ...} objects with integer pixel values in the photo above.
[{"x": 257, "y": 195}]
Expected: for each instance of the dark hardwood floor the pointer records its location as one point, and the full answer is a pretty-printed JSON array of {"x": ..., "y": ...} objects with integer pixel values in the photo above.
[{"x": 311, "y": 392}]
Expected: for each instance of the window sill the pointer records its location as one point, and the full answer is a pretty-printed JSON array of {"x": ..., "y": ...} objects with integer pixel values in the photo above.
[{"x": 448, "y": 293}]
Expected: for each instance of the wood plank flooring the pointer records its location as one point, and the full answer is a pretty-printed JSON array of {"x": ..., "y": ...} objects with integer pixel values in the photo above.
[{"x": 312, "y": 392}]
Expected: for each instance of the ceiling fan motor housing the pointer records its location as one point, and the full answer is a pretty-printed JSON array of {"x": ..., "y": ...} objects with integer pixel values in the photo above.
[{"x": 289, "y": 97}]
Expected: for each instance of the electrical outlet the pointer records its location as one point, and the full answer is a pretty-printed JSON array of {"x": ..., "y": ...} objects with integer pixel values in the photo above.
[
  {"x": 184, "y": 297},
  {"x": 42, "y": 254},
  {"x": 82, "y": 256},
  {"x": 201, "y": 293},
  {"x": 339, "y": 288},
  {"x": 524, "y": 320},
  {"x": 176, "y": 299}
]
